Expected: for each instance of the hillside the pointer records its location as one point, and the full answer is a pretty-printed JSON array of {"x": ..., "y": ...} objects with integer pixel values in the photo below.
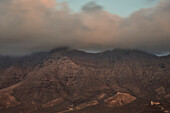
[{"x": 69, "y": 80}]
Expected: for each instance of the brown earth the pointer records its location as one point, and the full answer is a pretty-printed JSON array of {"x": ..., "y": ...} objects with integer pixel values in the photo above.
[{"x": 67, "y": 80}]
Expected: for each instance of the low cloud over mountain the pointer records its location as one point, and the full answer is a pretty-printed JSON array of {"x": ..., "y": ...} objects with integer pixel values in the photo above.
[{"x": 27, "y": 26}]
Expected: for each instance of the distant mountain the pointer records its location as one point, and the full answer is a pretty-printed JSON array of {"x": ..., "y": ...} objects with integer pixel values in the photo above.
[{"x": 69, "y": 80}]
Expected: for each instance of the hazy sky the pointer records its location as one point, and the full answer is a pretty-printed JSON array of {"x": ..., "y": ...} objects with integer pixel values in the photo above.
[
  {"x": 120, "y": 7},
  {"x": 28, "y": 26}
]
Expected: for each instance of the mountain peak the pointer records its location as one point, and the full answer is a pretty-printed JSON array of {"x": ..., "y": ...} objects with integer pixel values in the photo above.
[{"x": 60, "y": 49}]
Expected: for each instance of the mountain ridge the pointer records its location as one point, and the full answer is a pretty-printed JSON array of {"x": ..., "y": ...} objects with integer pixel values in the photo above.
[{"x": 65, "y": 78}]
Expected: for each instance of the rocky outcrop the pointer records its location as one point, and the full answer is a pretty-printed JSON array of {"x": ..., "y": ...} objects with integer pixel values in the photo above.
[
  {"x": 86, "y": 104},
  {"x": 119, "y": 99},
  {"x": 53, "y": 102},
  {"x": 7, "y": 101}
]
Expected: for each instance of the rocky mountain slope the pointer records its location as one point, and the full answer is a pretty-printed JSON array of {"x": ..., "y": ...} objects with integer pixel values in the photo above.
[{"x": 68, "y": 80}]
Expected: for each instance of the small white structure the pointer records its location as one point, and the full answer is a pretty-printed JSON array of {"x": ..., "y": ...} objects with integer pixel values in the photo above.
[{"x": 154, "y": 103}]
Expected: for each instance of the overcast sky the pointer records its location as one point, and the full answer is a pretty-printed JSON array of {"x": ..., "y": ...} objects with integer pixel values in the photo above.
[{"x": 28, "y": 26}]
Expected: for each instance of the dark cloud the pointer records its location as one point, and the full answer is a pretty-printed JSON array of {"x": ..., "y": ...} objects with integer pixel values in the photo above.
[
  {"x": 28, "y": 26},
  {"x": 91, "y": 6}
]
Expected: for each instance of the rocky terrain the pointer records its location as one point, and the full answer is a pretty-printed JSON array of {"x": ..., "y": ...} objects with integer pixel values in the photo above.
[{"x": 73, "y": 81}]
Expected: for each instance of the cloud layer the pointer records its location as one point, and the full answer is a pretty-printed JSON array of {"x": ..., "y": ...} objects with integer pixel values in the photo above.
[{"x": 28, "y": 26}]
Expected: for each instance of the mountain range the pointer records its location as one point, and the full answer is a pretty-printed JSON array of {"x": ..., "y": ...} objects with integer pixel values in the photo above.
[{"x": 73, "y": 81}]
